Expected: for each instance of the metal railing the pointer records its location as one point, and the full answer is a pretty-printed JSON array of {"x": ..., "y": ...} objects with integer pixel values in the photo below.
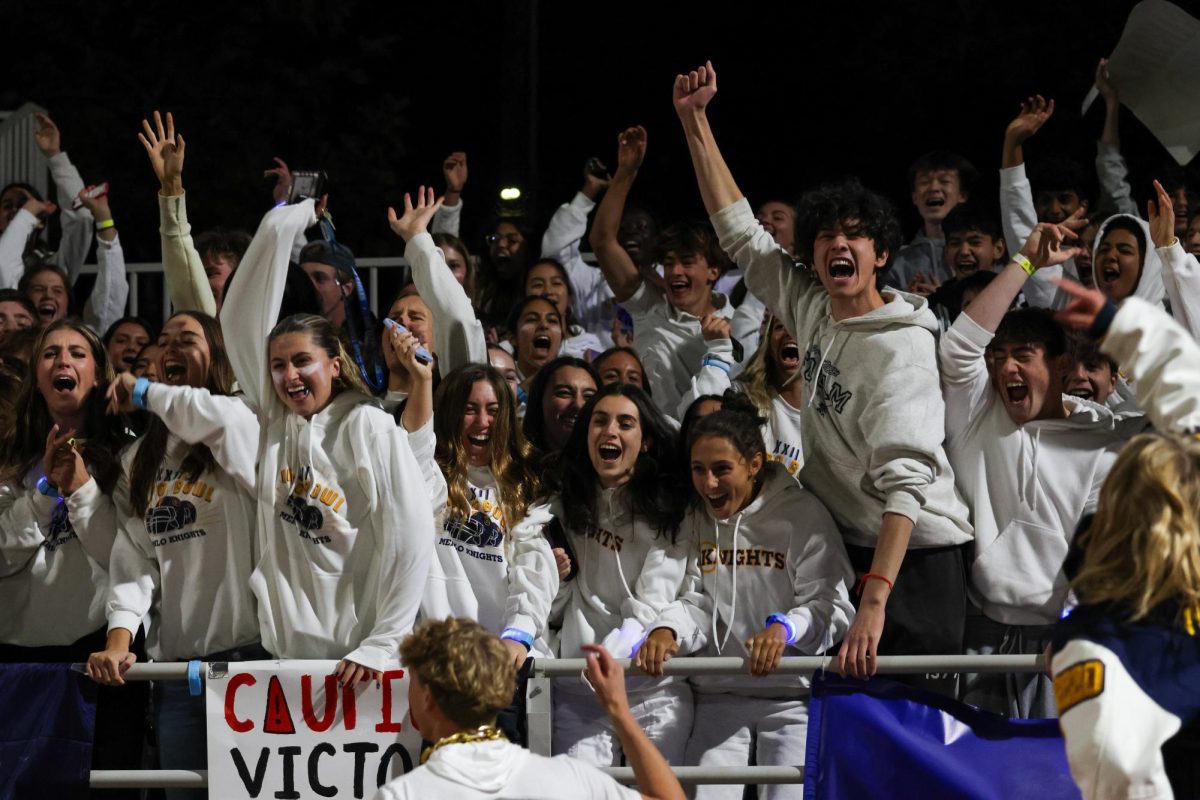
[{"x": 538, "y": 707}]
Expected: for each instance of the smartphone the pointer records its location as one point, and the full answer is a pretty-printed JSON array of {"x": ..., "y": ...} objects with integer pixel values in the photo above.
[
  {"x": 306, "y": 185},
  {"x": 92, "y": 192},
  {"x": 423, "y": 355}
]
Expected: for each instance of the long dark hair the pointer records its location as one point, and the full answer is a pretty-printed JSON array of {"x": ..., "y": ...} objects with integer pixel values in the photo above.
[
  {"x": 654, "y": 490},
  {"x": 534, "y": 423},
  {"x": 511, "y": 461},
  {"x": 199, "y": 458},
  {"x": 24, "y": 442}
]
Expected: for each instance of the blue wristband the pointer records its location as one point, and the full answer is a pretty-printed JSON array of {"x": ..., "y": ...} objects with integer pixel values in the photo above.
[
  {"x": 518, "y": 635},
  {"x": 786, "y": 623},
  {"x": 195, "y": 687},
  {"x": 713, "y": 361},
  {"x": 139, "y": 392},
  {"x": 47, "y": 488},
  {"x": 1099, "y": 328}
]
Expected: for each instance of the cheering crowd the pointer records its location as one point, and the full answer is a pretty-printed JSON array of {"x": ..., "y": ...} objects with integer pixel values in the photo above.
[{"x": 779, "y": 431}]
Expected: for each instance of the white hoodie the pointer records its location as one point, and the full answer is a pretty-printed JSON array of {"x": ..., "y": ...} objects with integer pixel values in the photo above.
[
  {"x": 345, "y": 524},
  {"x": 873, "y": 421},
  {"x": 1028, "y": 485},
  {"x": 500, "y": 576},
  {"x": 54, "y": 557},
  {"x": 781, "y": 554},
  {"x": 501, "y": 769},
  {"x": 1164, "y": 360},
  {"x": 187, "y": 560}
]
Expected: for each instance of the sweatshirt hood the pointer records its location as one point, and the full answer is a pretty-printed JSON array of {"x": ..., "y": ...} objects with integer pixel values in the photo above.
[
  {"x": 483, "y": 766},
  {"x": 898, "y": 308},
  {"x": 1149, "y": 286}
]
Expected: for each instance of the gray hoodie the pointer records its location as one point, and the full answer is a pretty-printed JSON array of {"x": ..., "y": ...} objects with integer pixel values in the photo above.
[{"x": 873, "y": 423}]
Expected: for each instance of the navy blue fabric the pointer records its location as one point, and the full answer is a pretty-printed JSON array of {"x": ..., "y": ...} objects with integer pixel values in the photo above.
[
  {"x": 1156, "y": 652},
  {"x": 48, "y": 715},
  {"x": 880, "y": 738}
]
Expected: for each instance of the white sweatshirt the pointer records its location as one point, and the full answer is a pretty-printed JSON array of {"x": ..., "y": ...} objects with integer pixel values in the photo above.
[
  {"x": 627, "y": 575},
  {"x": 781, "y": 554},
  {"x": 501, "y": 769},
  {"x": 1019, "y": 217},
  {"x": 1027, "y": 485},
  {"x": 345, "y": 525},
  {"x": 183, "y": 270},
  {"x": 54, "y": 558},
  {"x": 669, "y": 342},
  {"x": 1163, "y": 359},
  {"x": 187, "y": 561},
  {"x": 76, "y": 237},
  {"x": 458, "y": 334},
  {"x": 873, "y": 420},
  {"x": 594, "y": 306},
  {"x": 1181, "y": 279},
  {"x": 501, "y": 575}
]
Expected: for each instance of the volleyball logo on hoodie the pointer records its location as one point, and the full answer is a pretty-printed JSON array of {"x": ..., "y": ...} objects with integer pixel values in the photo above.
[
  {"x": 477, "y": 531},
  {"x": 830, "y": 393},
  {"x": 61, "y": 530}
]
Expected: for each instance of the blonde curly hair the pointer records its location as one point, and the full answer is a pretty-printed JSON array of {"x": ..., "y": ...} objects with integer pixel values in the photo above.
[
  {"x": 469, "y": 672},
  {"x": 1142, "y": 548}
]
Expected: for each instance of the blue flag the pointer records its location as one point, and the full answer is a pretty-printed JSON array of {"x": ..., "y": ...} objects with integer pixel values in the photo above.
[
  {"x": 46, "y": 734},
  {"x": 880, "y": 738}
]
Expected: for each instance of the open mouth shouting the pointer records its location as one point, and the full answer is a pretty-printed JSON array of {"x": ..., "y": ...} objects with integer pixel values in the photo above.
[
  {"x": 841, "y": 269},
  {"x": 64, "y": 383},
  {"x": 175, "y": 372},
  {"x": 718, "y": 503},
  {"x": 541, "y": 346},
  {"x": 609, "y": 452},
  {"x": 1016, "y": 392},
  {"x": 789, "y": 356},
  {"x": 1082, "y": 391},
  {"x": 47, "y": 310},
  {"x": 678, "y": 287}
]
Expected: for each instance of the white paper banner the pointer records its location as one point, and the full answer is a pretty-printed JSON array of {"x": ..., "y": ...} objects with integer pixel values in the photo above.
[
  {"x": 286, "y": 730},
  {"x": 1155, "y": 68}
]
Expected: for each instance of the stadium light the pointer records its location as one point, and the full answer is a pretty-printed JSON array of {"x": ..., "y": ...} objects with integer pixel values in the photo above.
[{"x": 510, "y": 193}]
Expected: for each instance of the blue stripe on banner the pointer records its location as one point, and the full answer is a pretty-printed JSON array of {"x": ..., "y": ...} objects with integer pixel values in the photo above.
[
  {"x": 48, "y": 718},
  {"x": 880, "y": 738}
]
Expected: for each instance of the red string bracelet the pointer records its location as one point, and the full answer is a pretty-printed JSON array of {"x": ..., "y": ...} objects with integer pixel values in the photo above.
[{"x": 862, "y": 582}]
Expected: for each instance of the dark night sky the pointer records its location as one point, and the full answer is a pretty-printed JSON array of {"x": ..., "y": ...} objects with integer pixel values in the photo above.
[{"x": 378, "y": 96}]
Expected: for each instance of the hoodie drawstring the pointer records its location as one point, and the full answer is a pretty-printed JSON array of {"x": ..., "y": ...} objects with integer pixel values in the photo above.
[
  {"x": 737, "y": 524},
  {"x": 1027, "y": 483},
  {"x": 816, "y": 379}
]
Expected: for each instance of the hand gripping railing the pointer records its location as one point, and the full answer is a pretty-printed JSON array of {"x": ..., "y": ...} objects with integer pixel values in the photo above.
[{"x": 538, "y": 710}]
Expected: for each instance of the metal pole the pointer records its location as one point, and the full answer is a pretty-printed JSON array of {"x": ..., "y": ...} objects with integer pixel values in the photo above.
[
  {"x": 148, "y": 779},
  {"x": 721, "y": 775},
  {"x": 886, "y": 665}
]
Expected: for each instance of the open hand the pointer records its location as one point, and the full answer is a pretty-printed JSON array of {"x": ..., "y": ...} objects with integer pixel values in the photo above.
[
  {"x": 46, "y": 136},
  {"x": 166, "y": 150},
  {"x": 1162, "y": 217},
  {"x": 693, "y": 92},
  {"x": 1104, "y": 85},
  {"x": 1035, "y": 112},
  {"x": 1044, "y": 247},
  {"x": 923, "y": 284},
  {"x": 416, "y": 218}
]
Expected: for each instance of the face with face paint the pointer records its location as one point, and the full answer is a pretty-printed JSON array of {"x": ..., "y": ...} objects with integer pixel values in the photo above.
[{"x": 303, "y": 373}]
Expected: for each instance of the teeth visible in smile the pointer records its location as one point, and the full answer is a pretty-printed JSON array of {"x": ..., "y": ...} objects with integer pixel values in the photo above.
[
  {"x": 479, "y": 439},
  {"x": 297, "y": 391},
  {"x": 790, "y": 352},
  {"x": 609, "y": 452}
]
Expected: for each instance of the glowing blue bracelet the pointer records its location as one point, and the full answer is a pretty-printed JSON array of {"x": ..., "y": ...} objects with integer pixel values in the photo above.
[
  {"x": 713, "y": 361},
  {"x": 195, "y": 687},
  {"x": 786, "y": 623},
  {"x": 139, "y": 392},
  {"x": 518, "y": 635},
  {"x": 44, "y": 486}
]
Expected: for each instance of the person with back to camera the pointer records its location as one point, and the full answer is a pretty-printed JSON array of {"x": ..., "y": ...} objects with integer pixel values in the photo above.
[
  {"x": 873, "y": 418},
  {"x": 460, "y": 677}
]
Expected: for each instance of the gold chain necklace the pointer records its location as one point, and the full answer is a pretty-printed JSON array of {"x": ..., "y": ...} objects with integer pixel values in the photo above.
[{"x": 484, "y": 733}]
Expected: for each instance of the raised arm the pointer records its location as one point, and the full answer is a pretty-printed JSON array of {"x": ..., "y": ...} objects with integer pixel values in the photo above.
[
  {"x": 691, "y": 95},
  {"x": 107, "y": 302},
  {"x": 1110, "y": 165},
  {"x": 458, "y": 334},
  {"x": 249, "y": 313},
  {"x": 16, "y": 237},
  {"x": 1181, "y": 271},
  {"x": 448, "y": 218},
  {"x": 76, "y": 238},
  {"x": 183, "y": 271},
  {"x": 619, "y": 270}
]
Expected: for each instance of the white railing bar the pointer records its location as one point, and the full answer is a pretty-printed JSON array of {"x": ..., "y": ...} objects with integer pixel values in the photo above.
[
  {"x": 720, "y": 775},
  {"x": 148, "y": 779},
  {"x": 569, "y": 667}
]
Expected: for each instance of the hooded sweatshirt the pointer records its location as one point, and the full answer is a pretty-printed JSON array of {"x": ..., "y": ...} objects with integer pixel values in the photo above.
[
  {"x": 486, "y": 569},
  {"x": 501, "y": 769},
  {"x": 780, "y": 554},
  {"x": 873, "y": 420},
  {"x": 54, "y": 558},
  {"x": 345, "y": 523},
  {"x": 1028, "y": 485},
  {"x": 187, "y": 560},
  {"x": 1163, "y": 359}
]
